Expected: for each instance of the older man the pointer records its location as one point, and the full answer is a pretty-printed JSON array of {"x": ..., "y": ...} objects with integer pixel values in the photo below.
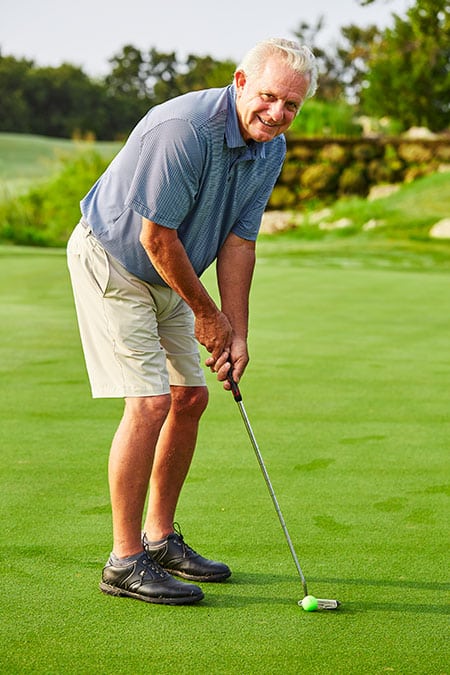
[{"x": 189, "y": 187}]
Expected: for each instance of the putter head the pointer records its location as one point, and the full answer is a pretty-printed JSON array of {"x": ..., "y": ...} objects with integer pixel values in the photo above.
[{"x": 324, "y": 603}]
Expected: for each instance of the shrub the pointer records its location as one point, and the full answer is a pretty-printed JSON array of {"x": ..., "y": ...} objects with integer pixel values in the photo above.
[
  {"x": 366, "y": 151},
  {"x": 320, "y": 118},
  {"x": 384, "y": 171},
  {"x": 46, "y": 214},
  {"x": 443, "y": 153},
  {"x": 320, "y": 179},
  {"x": 282, "y": 197},
  {"x": 301, "y": 153},
  {"x": 335, "y": 154},
  {"x": 415, "y": 153},
  {"x": 290, "y": 173},
  {"x": 353, "y": 180}
]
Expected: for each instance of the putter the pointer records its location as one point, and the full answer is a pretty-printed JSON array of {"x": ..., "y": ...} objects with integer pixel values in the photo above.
[{"x": 322, "y": 603}]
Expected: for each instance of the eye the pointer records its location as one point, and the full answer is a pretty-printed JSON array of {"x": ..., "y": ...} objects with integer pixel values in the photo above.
[
  {"x": 292, "y": 106},
  {"x": 267, "y": 97}
]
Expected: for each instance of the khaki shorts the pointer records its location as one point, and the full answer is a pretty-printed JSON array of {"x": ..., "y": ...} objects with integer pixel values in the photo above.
[{"x": 138, "y": 338}]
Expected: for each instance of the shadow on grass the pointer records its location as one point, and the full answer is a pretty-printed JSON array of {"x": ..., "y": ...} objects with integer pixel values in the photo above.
[
  {"x": 394, "y": 583},
  {"x": 407, "y": 605}
]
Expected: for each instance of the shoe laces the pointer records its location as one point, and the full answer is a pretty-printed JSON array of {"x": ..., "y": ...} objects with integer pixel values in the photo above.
[
  {"x": 187, "y": 550},
  {"x": 150, "y": 567}
]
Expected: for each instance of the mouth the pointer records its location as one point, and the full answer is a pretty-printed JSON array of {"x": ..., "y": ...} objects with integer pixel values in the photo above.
[{"x": 270, "y": 125}]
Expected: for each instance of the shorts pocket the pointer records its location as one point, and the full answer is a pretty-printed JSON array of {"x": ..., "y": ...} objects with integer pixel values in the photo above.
[{"x": 98, "y": 263}]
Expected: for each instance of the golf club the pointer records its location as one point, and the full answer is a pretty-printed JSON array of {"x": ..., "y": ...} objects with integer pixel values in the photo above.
[{"x": 322, "y": 603}]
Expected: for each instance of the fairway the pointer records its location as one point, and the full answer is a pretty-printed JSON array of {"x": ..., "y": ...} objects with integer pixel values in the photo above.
[{"x": 348, "y": 395}]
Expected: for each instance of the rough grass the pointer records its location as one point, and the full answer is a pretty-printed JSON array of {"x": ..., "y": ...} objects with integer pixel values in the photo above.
[
  {"x": 347, "y": 392},
  {"x": 26, "y": 159}
]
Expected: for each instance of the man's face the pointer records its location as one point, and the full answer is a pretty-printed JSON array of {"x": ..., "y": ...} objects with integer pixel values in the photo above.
[{"x": 267, "y": 103}]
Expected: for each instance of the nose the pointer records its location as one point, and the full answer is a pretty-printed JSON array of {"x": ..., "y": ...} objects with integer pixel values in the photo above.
[{"x": 277, "y": 111}]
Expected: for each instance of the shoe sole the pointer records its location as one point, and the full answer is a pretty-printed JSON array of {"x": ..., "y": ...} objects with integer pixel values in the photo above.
[
  {"x": 192, "y": 577},
  {"x": 157, "y": 600}
]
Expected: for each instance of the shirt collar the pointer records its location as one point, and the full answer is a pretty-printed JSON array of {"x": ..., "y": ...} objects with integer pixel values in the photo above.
[{"x": 233, "y": 135}]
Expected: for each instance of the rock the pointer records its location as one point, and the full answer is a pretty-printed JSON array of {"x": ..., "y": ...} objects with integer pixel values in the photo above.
[
  {"x": 441, "y": 229},
  {"x": 277, "y": 221},
  {"x": 419, "y": 132},
  {"x": 380, "y": 191},
  {"x": 372, "y": 224},
  {"x": 318, "y": 216},
  {"x": 336, "y": 225}
]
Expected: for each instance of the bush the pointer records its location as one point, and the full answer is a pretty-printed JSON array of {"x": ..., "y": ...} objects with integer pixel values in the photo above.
[
  {"x": 335, "y": 154},
  {"x": 282, "y": 197},
  {"x": 290, "y": 173},
  {"x": 353, "y": 180},
  {"x": 320, "y": 118},
  {"x": 320, "y": 179},
  {"x": 365, "y": 151},
  {"x": 415, "y": 153},
  {"x": 46, "y": 215}
]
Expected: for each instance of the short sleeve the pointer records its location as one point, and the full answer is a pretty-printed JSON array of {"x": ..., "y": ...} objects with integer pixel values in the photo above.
[
  {"x": 168, "y": 173},
  {"x": 249, "y": 221}
]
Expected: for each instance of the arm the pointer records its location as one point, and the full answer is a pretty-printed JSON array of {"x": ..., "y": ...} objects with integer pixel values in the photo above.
[
  {"x": 235, "y": 265},
  {"x": 168, "y": 256}
]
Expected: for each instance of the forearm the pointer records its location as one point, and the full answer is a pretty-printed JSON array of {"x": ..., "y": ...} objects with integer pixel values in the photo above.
[
  {"x": 235, "y": 265},
  {"x": 168, "y": 256},
  {"x": 170, "y": 260}
]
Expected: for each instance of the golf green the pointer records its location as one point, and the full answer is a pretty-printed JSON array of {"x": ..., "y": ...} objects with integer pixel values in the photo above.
[{"x": 347, "y": 393}]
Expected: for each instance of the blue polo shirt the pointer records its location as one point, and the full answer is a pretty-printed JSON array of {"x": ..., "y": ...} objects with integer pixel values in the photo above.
[{"x": 184, "y": 166}]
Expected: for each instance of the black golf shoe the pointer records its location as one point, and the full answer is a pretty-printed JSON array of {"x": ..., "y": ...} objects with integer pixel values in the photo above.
[
  {"x": 176, "y": 557},
  {"x": 144, "y": 579}
]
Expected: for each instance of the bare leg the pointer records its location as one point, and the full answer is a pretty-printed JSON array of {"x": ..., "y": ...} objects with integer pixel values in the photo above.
[
  {"x": 130, "y": 465},
  {"x": 173, "y": 457}
]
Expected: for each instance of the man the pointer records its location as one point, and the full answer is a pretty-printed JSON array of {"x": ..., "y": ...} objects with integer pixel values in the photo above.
[{"x": 189, "y": 187}]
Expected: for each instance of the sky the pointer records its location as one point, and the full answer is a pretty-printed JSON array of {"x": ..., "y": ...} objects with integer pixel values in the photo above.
[{"x": 87, "y": 33}]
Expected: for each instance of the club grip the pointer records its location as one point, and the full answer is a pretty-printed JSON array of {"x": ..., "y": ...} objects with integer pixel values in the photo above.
[{"x": 234, "y": 388}]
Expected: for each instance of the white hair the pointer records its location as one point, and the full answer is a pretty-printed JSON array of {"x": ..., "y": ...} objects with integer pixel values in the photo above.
[{"x": 298, "y": 57}]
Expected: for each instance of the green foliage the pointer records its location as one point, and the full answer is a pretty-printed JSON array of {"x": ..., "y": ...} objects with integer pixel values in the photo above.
[
  {"x": 26, "y": 159},
  {"x": 65, "y": 102},
  {"x": 408, "y": 69},
  {"x": 282, "y": 197},
  {"x": 353, "y": 181},
  {"x": 14, "y": 111},
  {"x": 320, "y": 179},
  {"x": 405, "y": 216},
  {"x": 47, "y": 213},
  {"x": 321, "y": 118}
]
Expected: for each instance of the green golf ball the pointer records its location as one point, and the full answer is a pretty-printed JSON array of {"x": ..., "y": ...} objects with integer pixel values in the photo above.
[{"x": 309, "y": 603}]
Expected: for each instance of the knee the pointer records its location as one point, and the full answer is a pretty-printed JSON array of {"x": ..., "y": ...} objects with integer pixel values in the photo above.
[
  {"x": 152, "y": 408},
  {"x": 190, "y": 401}
]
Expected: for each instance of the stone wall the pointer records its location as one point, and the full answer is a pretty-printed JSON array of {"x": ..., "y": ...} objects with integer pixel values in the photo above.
[{"x": 321, "y": 170}]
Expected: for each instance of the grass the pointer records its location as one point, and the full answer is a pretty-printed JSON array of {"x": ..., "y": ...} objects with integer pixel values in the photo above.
[
  {"x": 347, "y": 393},
  {"x": 400, "y": 239},
  {"x": 26, "y": 159}
]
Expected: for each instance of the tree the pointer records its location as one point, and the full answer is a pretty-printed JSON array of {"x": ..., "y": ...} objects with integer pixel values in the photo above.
[
  {"x": 203, "y": 72},
  {"x": 409, "y": 68},
  {"x": 331, "y": 81},
  {"x": 14, "y": 110},
  {"x": 129, "y": 74},
  {"x": 352, "y": 57},
  {"x": 62, "y": 100}
]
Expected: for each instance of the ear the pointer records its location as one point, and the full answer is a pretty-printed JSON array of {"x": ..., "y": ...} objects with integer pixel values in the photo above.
[{"x": 240, "y": 79}]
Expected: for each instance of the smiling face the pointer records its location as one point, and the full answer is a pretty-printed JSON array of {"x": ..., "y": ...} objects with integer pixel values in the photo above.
[{"x": 267, "y": 103}]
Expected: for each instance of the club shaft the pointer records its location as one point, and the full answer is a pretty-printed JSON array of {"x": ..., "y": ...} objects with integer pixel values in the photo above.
[{"x": 271, "y": 491}]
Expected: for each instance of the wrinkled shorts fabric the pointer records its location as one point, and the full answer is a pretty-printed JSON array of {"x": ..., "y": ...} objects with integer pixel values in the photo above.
[{"x": 138, "y": 339}]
